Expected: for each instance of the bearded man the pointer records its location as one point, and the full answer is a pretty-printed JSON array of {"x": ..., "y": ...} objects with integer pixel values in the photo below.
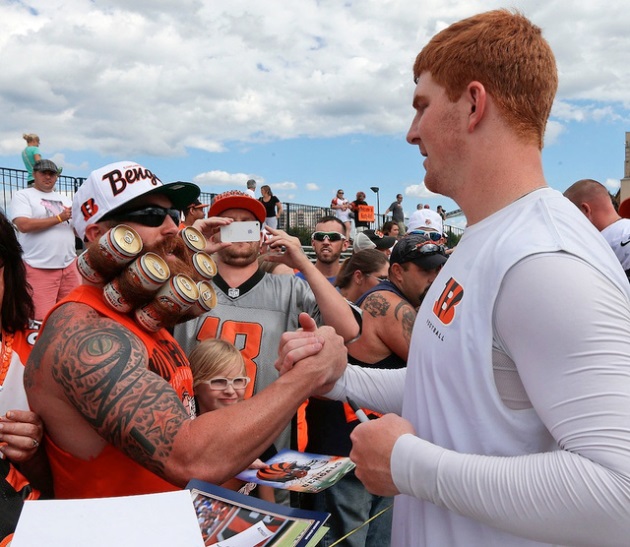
[{"x": 255, "y": 308}]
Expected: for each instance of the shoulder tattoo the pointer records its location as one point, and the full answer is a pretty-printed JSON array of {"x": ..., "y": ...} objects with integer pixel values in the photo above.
[{"x": 376, "y": 305}]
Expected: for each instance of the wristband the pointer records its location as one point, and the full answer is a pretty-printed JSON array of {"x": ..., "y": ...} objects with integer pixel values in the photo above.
[{"x": 59, "y": 219}]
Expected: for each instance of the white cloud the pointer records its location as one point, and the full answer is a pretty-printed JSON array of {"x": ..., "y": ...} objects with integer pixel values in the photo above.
[
  {"x": 419, "y": 191},
  {"x": 312, "y": 187},
  {"x": 283, "y": 186},
  {"x": 612, "y": 185},
  {"x": 162, "y": 77},
  {"x": 222, "y": 178},
  {"x": 553, "y": 130}
]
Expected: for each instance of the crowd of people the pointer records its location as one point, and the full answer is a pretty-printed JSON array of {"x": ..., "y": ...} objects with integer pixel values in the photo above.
[
  {"x": 358, "y": 216},
  {"x": 495, "y": 375}
]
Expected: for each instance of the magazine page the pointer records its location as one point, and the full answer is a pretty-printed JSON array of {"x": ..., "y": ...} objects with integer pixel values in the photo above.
[
  {"x": 229, "y": 519},
  {"x": 299, "y": 471}
]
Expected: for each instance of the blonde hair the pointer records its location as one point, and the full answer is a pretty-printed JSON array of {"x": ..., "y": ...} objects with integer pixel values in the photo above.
[
  {"x": 211, "y": 358},
  {"x": 30, "y": 137}
]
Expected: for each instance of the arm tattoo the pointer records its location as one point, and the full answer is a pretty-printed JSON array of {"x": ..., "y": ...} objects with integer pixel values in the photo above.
[
  {"x": 102, "y": 368},
  {"x": 406, "y": 315},
  {"x": 376, "y": 305}
]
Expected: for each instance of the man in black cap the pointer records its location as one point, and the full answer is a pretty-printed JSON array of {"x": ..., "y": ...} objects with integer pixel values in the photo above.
[
  {"x": 371, "y": 239},
  {"x": 43, "y": 219}
]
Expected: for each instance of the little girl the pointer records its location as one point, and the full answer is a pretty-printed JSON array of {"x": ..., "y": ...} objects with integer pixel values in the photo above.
[
  {"x": 219, "y": 377},
  {"x": 219, "y": 380}
]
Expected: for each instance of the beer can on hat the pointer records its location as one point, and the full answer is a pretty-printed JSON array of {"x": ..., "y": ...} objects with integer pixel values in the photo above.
[
  {"x": 120, "y": 245},
  {"x": 204, "y": 265},
  {"x": 193, "y": 238},
  {"x": 179, "y": 294},
  {"x": 114, "y": 297},
  {"x": 149, "y": 317},
  {"x": 86, "y": 269},
  {"x": 148, "y": 272},
  {"x": 207, "y": 299}
]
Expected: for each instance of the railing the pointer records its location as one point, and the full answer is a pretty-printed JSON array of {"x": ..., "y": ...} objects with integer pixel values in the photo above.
[{"x": 296, "y": 219}]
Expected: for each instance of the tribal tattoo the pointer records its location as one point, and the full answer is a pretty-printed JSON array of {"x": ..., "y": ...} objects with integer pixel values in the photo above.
[{"x": 102, "y": 368}]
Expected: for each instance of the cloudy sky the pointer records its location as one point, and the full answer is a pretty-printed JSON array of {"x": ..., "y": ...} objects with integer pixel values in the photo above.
[{"x": 306, "y": 96}]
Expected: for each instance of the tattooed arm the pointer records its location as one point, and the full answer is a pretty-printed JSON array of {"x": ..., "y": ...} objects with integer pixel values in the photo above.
[
  {"x": 391, "y": 321},
  {"x": 88, "y": 379}
]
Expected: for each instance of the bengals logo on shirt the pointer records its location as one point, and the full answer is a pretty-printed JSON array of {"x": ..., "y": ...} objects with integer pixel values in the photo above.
[{"x": 445, "y": 305}]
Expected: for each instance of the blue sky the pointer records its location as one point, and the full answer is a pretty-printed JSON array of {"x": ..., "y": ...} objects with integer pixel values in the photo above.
[{"x": 306, "y": 96}]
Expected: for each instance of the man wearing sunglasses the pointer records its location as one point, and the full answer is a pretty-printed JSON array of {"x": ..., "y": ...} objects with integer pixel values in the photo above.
[
  {"x": 328, "y": 241},
  {"x": 116, "y": 399}
]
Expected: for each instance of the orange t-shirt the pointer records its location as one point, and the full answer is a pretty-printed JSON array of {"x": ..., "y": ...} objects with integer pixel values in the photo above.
[{"x": 112, "y": 473}]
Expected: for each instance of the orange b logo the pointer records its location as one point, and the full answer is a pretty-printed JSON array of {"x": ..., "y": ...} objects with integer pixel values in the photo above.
[{"x": 444, "y": 307}]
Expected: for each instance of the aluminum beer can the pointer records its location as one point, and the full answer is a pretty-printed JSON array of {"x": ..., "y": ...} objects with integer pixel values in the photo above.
[
  {"x": 148, "y": 317},
  {"x": 193, "y": 238},
  {"x": 86, "y": 269},
  {"x": 179, "y": 294},
  {"x": 120, "y": 245},
  {"x": 147, "y": 272},
  {"x": 204, "y": 265},
  {"x": 207, "y": 299},
  {"x": 114, "y": 297}
]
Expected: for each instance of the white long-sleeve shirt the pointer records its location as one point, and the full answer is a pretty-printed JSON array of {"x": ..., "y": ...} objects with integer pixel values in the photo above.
[{"x": 565, "y": 324}]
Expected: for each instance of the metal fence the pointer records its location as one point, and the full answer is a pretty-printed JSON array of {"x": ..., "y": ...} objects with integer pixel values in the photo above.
[
  {"x": 297, "y": 219},
  {"x": 13, "y": 180}
]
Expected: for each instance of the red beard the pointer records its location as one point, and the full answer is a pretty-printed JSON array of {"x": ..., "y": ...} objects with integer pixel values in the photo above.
[{"x": 173, "y": 251}]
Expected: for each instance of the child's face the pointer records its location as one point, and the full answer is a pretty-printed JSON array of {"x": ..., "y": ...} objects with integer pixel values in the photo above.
[{"x": 211, "y": 399}]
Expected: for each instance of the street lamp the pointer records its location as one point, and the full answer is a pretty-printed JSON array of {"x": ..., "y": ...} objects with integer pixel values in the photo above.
[{"x": 378, "y": 207}]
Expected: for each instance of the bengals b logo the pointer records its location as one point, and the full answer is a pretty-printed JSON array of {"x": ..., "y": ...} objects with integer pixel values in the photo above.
[
  {"x": 89, "y": 209},
  {"x": 444, "y": 307}
]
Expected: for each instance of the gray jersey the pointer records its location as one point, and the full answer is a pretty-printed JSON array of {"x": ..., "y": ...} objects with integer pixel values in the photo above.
[{"x": 253, "y": 317}]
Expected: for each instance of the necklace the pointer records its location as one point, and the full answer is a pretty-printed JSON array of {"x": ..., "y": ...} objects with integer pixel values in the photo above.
[{"x": 7, "y": 353}]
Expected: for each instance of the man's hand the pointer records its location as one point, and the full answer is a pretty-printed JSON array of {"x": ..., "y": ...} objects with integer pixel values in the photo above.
[
  {"x": 21, "y": 433},
  {"x": 298, "y": 345},
  {"x": 210, "y": 228},
  {"x": 285, "y": 249},
  {"x": 372, "y": 446},
  {"x": 319, "y": 352}
]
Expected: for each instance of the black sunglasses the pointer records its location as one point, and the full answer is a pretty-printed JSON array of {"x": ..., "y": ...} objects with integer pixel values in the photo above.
[
  {"x": 332, "y": 236},
  {"x": 433, "y": 236},
  {"x": 424, "y": 248},
  {"x": 152, "y": 216}
]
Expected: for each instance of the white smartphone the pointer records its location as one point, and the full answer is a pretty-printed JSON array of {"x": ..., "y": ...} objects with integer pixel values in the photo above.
[{"x": 248, "y": 230}]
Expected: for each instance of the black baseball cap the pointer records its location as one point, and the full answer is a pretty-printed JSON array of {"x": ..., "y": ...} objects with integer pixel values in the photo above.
[{"x": 420, "y": 250}]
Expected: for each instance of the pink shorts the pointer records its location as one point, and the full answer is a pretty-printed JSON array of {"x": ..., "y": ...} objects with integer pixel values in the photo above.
[{"x": 50, "y": 286}]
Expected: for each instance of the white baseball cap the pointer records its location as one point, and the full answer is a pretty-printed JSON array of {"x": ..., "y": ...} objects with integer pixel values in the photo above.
[
  {"x": 108, "y": 189},
  {"x": 425, "y": 218}
]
